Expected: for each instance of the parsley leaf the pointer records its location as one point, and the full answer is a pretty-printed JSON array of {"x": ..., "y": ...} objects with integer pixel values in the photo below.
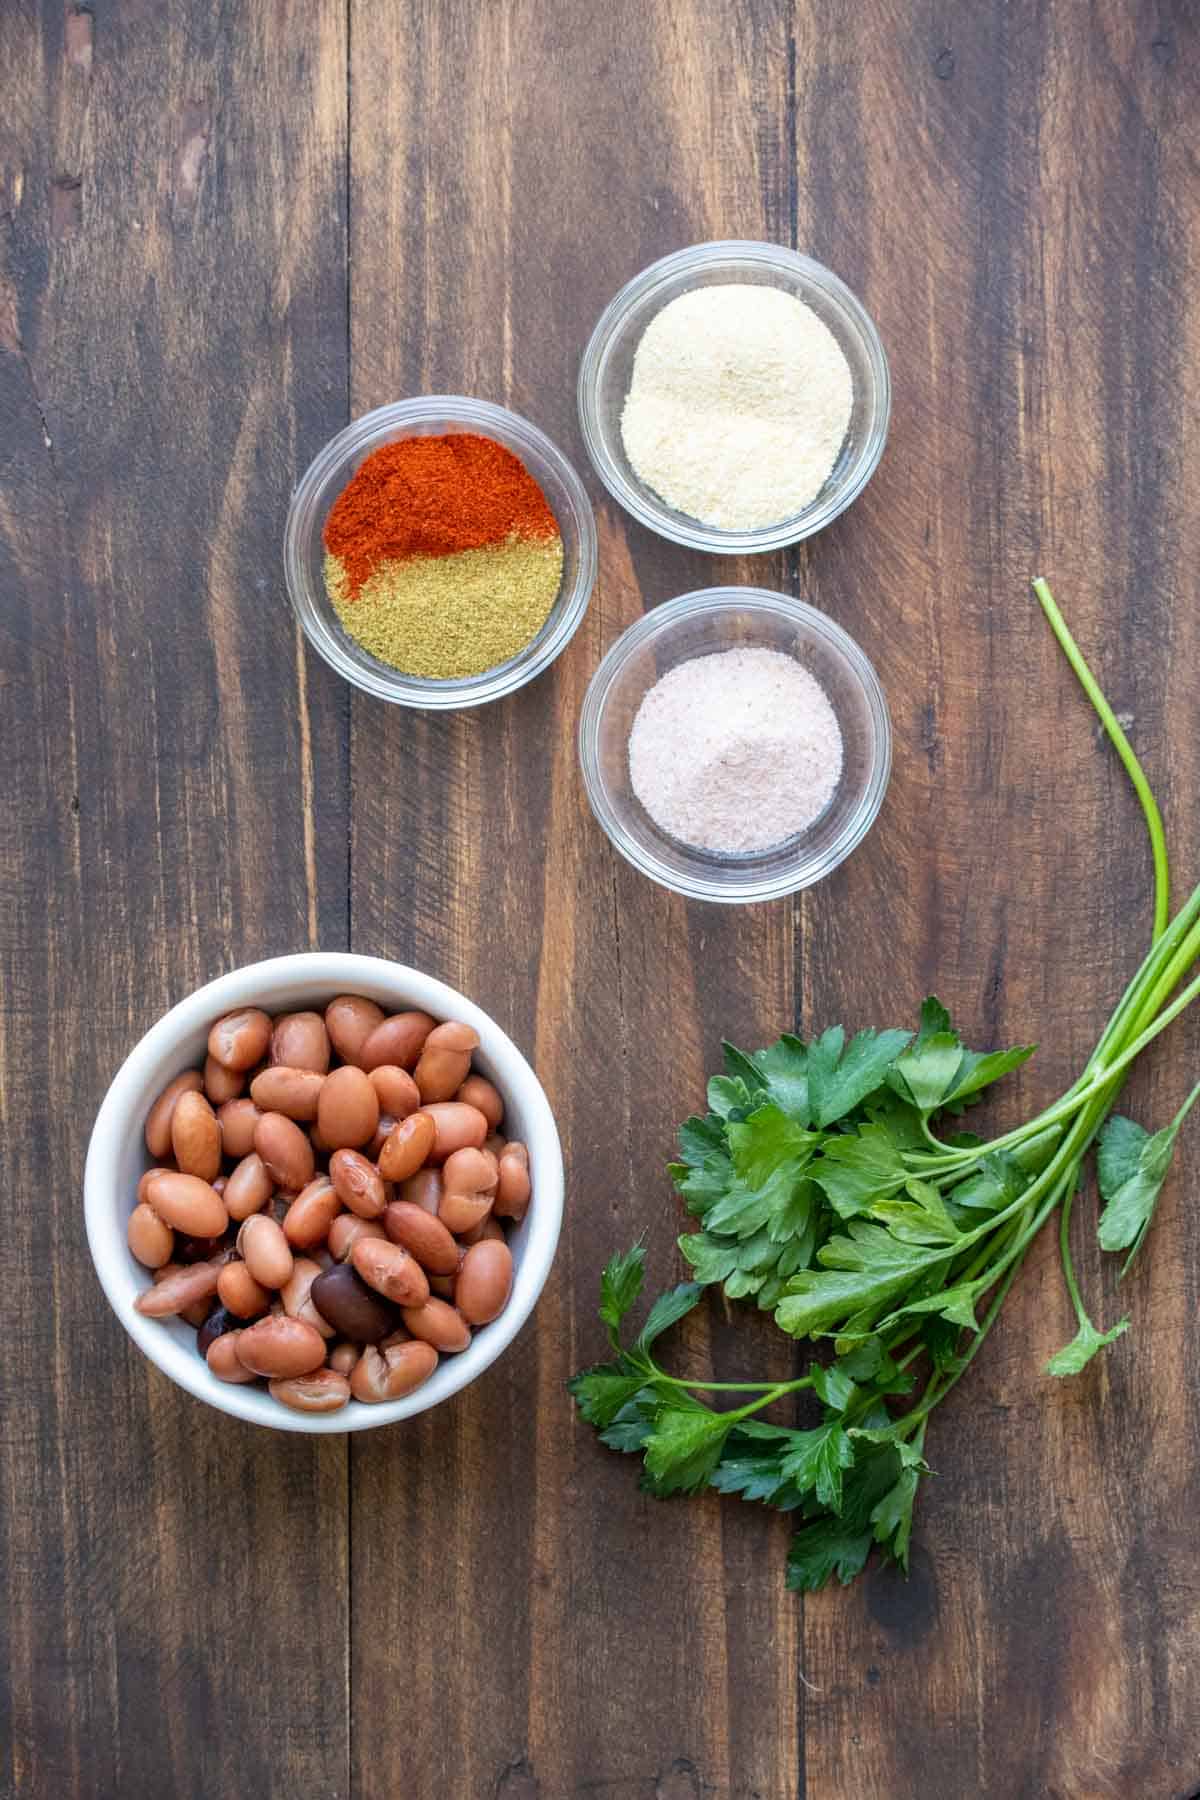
[
  {"x": 859, "y": 1167},
  {"x": 927, "y": 1069},
  {"x": 1131, "y": 1167},
  {"x": 892, "y": 1516},
  {"x": 840, "y": 1075},
  {"x": 818, "y": 1460},
  {"x": 861, "y": 1274},
  {"x": 1083, "y": 1346},
  {"x": 667, "y": 1310},
  {"x": 684, "y": 1448},
  {"x": 976, "y": 1072},
  {"x": 620, "y": 1285},
  {"x": 601, "y": 1392},
  {"x": 783, "y": 1070}
]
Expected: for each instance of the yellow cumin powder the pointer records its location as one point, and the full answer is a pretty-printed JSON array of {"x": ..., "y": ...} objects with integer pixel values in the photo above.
[{"x": 446, "y": 616}]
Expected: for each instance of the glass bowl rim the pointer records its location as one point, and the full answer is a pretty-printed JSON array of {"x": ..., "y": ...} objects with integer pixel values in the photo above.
[
  {"x": 458, "y": 692},
  {"x": 800, "y": 872},
  {"x": 639, "y": 500}
]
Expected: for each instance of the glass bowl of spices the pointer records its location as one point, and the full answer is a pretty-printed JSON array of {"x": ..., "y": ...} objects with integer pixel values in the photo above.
[
  {"x": 735, "y": 397},
  {"x": 735, "y": 744},
  {"x": 440, "y": 552}
]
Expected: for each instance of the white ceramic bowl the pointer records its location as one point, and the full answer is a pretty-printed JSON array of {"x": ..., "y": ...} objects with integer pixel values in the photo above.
[{"x": 117, "y": 1156}]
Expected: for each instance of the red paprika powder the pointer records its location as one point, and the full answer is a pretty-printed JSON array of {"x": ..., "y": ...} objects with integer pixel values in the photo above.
[{"x": 432, "y": 496}]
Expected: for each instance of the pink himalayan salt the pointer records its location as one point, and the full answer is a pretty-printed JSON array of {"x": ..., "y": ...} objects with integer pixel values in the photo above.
[{"x": 735, "y": 752}]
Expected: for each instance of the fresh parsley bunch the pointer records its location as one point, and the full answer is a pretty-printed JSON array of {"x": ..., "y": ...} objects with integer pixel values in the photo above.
[{"x": 832, "y": 1183}]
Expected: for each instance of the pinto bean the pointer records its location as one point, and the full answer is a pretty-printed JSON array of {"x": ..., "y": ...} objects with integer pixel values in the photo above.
[
  {"x": 399, "y": 1370},
  {"x": 158, "y": 1119},
  {"x": 300, "y": 1040},
  {"x": 398, "y": 1039},
  {"x": 278, "y": 1347},
  {"x": 350, "y": 1020},
  {"x": 357, "y": 1183},
  {"x": 294, "y": 1092},
  {"x": 240, "y": 1039}
]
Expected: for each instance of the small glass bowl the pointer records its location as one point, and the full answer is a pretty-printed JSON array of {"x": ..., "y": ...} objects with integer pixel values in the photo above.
[
  {"x": 604, "y": 376},
  {"x": 304, "y": 552},
  {"x": 701, "y": 624}
]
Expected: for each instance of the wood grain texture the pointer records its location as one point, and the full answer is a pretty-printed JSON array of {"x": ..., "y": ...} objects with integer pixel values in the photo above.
[
  {"x": 526, "y": 206},
  {"x": 172, "y": 348},
  {"x": 1023, "y": 214},
  {"x": 223, "y": 231}
]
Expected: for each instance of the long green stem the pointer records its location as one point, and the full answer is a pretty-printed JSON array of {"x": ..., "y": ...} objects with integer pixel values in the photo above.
[{"x": 1124, "y": 749}]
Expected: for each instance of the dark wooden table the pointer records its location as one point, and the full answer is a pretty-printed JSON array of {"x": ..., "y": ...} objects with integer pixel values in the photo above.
[{"x": 224, "y": 231}]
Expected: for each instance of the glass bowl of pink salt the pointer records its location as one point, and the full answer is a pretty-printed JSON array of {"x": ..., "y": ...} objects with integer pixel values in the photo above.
[{"x": 735, "y": 744}]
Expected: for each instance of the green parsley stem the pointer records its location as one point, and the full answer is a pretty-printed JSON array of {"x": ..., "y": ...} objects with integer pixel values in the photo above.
[{"x": 1124, "y": 749}]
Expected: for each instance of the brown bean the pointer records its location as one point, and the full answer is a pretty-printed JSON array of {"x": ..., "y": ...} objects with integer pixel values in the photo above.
[
  {"x": 424, "y": 1189},
  {"x": 391, "y": 1271},
  {"x": 324, "y": 1391},
  {"x": 440, "y": 1074},
  {"x": 357, "y": 1183},
  {"x": 279, "y": 1347},
  {"x": 399, "y": 1336},
  {"x": 308, "y": 1219},
  {"x": 469, "y": 1180},
  {"x": 343, "y": 1356},
  {"x": 240, "y": 1039},
  {"x": 454, "y": 1034},
  {"x": 219, "y": 1321},
  {"x": 345, "y": 1232},
  {"x": 238, "y": 1119},
  {"x": 445, "y": 1060},
  {"x": 350, "y": 1020},
  {"x": 267, "y": 1252},
  {"x": 400, "y": 1370},
  {"x": 484, "y": 1095},
  {"x": 354, "y": 1310},
  {"x": 147, "y": 1177},
  {"x": 484, "y": 1282},
  {"x": 178, "y": 1289},
  {"x": 495, "y": 1143},
  {"x": 293, "y": 1092},
  {"x": 408, "y": 1146},
  {"x": 149, "y": 1238},
  {"x": 224, "y": 1361},
  {"x": 158, "y": 1119},
  {"x": 285, "y": 1150},
  {"x": 239, "y": 1292},
  {"x": 422, "y": 1236},
  {"x": 221, "y": 1084},
  {"x": 383, "y": 1131},
  {"x": 456, "y": 1127},
  {"x": 398, "y": 1039},
  {"x": 299, "y": 1040},
  {"x": 196, "y": 1137},
  {"x": 439, "y": 1324},
  {"x": 187, "y": 1203},
  {"x": 398, "y": 1093},
  {"x": 488, "y": 1229},
  {"x": 443, "y": 1285},
  {"x": 513, "y": 1187},
  {"x": 295, "y": 1294},
  {"x": 349, "y": 1109},
  {"x": 248, "y": 1188}
]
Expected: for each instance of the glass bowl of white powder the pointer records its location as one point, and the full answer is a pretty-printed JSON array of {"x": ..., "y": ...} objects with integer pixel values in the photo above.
[
  {"x": 735, "y": 744},
  {"x": 735, "y": 397}
]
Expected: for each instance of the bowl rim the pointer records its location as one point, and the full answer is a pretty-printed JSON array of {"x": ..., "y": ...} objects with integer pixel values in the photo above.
[
  {"x": 456, "y": 693},
  {"x": 639, "y": 500},
  {"x": 124, "y": 1107},
  {"x": 660, "y": 620}
]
